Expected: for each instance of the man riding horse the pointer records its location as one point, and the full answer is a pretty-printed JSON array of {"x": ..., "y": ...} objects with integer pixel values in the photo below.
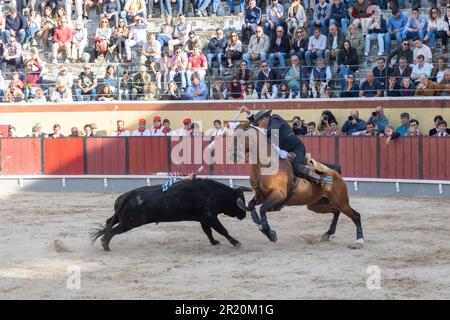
[{"x": 287, "y": 139}]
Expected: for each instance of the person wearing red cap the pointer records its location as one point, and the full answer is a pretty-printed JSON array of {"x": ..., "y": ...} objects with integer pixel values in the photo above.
[
  {"x": 157, "y": 126},
  {"x": 187, "y": 129},
  {"x": 121, "y": 130},
  {"x": 141, "y": 131},
  {"x": 167, "y": 130}
]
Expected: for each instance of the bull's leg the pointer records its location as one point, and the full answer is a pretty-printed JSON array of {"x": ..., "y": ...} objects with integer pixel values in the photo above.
[
  {"x": 118, "y": 229},
  {"x": 264, "y": 226},
  {"x": 216, "y": 225},
  {"x": 207, "y": 229},
  {"x": 251, "y": 207}
]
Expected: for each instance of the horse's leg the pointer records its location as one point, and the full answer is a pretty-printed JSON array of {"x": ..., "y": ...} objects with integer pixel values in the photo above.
[
  {"x": 264, "y": 226},
  {"x": 251, "y": 207},
  {"x": 356, "y": 218},
  {"x": 332, "y": 229},
  {"x": 207, "y": 229}
]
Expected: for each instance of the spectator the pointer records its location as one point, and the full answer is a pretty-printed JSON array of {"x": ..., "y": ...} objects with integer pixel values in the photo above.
[
  {"x": 333, "y": 130},
  {"x": 371, "y": 87},
  {"x": 393, "y": 88},
  {"x": 312, "y": 129},
  {"x": 351, "y": 89},
  {"x": 293, "y": 75},
  {"x": 244, "y": 74},
  {"x": 172, "y": 92},
  {"x": 64, "y": 74},
  {"x": 217, "y": 48},
  {"x": 121, "y": 130},
  {"x": 36, "y": 132},
  {"x": 284, "y": 92},
  {"x": 197, "y": 64},
  {"x": 12, "y": 54},
  {"x": 363, "y": 12},
  {"x": 61, "y": 14},
  {"x": 187, "y": 128},
  {"x": 414, "y": 129},
  {"x": 298, "y": 126},
  {"x": 118, "y": 40},
  {"x": 335, "y": 42},
  {"x": 321, "y": 17},
  {"x": 235, "y": 90},
  {"x": 356, "y": 39},
  {"x": 151, "y": 52},
  {"x": 257, "y": 47},
  {"x": 437, "y": 73},
  {"x": 426, "y": 87},
  {"x": 180, "y": 33},
  {"x": 140, "y": 80},
  {"x": 266, "y": 74},
  {"x": 353, "y": 124},
  {"x": 437, "y": 119},
  {"x": 111, "y": 10},
  {"x": 370, "y": 130},
  {"x": 444, "y": 85},
  {"x": 396, "y": 25},
  {"x": 157, "y": 127},
  {"x": 316, "y": 46},
  {"x": 167, "y": 130},
  {"x": 348, "y": 62},
  {"x": 421, "y": 49},
  {"x": 15, "y": 91},
  {"x": 48, "y": 24},
  {"x": 218, "y": 91},
  {"x": 296, "y": 17},
  {"x": 39, "y": 97},
  {"x": 321, "y": 72},
  {"x": 141, "y": 131},
  {"x": 404, "y": 128},
  {"x": 407, "y": 88},
  {"x": 74, "y": 133},
  {"x": 192, "y": 42},
  {"x": 234, "y": 49},
  {"x": 268, "y": 91},
  {"x": 197, "y": 89},
  {"x": 110, "y": 78},
  {"x": 416, "y": 25},
  {"x": 299, "y": 43},
  {"x": 442, "y": 130},
  {"x": 420, "y": 67},
  {"x": 339, "y": 16},
  {"x": 437, "y": 28},
  {"x": 89, "y": 4},
  {"x": 88, "y": 130},
  {"x": 62, "y": 93},
  {"x": 33, "y": 27},
  {"x": 317, "y": 89},
  {"x": 325, "y": 120},
  {"x": 379, "y": 120},
  {"x": 377, "y": 31},
  {"x": 106, "y": 94},
  {"x": 94, "y": 130},
  {"x": 15, "y": 25},
  {"x": 126, "y": 86},
  {"x": 136, "y": 36},
  {"x": 447, "y": 23},
  {"x": 274, "y": 13},
  {"x": 150, "y": 5},
  {"x": 56, "y": 132},
  {"x": 87, "y": 84},
  {"x": 381, "y": 72},
  {"x": 62, "y": 40},
  {"x": 402, "y": 70},
  {"x": 102, "y": 37},
  {"x": 12, "y": 132},
  {"x": 402, "y": 51},
  {"x": 218, "y": 130},
  {"x": 165, "y": 31},
  {"x": 169, "y": 7},
  {"x": 250, "y": 92},
  {"x": 134, "y": 8},
  {"x": 178, "y": 64},
  {"x": 279, "y": 48},
  {"x": 252, "y": 19},
  {"x": 79, "y": 41},
  {"x": 151, "y": 92}
]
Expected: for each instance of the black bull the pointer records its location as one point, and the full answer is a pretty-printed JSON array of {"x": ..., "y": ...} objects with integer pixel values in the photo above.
[{"x": 190, "y": 200}]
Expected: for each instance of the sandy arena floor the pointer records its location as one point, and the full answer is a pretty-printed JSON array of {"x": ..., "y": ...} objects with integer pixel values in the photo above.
[{"x": 408, "y": 239}]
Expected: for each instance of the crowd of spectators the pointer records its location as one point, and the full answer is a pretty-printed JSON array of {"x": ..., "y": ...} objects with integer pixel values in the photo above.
[
  {"x": 289, "y": 49},
  {"x": 376, "y": 125}
]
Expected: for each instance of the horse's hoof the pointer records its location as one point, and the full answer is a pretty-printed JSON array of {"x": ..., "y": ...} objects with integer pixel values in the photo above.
[
  {"x": 215, "y": 242},
  {"x": 237, "y": 244},
  {"x": 325, "y": 237},
  {"x": 358, "y": 244},
  {"x": 273, "y": 236}
]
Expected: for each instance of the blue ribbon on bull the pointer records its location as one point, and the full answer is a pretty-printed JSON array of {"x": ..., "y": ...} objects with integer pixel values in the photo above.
[{"x": 166, "y": 185}]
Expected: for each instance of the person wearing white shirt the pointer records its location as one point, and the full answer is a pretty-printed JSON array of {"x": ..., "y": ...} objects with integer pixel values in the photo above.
[
  {"x": 316, "y": 46},
  {"x": 421, "y": 67},
  {"x": 218, "y": 130},
  {"x": 187, "y": 129},
  {"x": 121, "y": 130},
  {"x": 157, "y": 127},
  {"x": 141, "y": 131},
  {"x": 421, "y": 49}
]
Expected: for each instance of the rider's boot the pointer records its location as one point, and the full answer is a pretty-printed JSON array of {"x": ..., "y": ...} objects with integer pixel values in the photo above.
[{"x": 310, "y": 175}]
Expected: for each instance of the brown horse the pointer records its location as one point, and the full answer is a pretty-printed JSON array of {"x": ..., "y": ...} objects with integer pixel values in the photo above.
[{"x": 278, "y": 189}]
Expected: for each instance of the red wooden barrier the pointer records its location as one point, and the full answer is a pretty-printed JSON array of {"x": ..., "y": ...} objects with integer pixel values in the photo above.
[
  {"x": 4, "y": 130},
  {"x": 63, "y": 156},
  {"x": 106, "y": 155},
  {"x": 436, "y": 158},
  {"x": 321, "y": 148},
  {"x": 358, "y": 156},
  {"x": 147, "y": 155},
  {"x": 400, "y": 159},
  {"x": 20, "y": 156},
  {"x": 187, "y": 155},
  {"x": 222, "y": 165}
]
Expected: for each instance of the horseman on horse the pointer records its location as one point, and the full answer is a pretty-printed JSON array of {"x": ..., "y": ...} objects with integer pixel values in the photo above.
[{"x": 287, "y": 139}]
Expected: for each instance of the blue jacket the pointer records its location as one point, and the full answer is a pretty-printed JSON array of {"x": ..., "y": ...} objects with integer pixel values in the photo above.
[
  {"x": 339, "y": 12},
  {"x": 379, "y": 124},
  {"x": 349, "y": 128},
  {"x": 253, "y": 16},
  {"x": 399, "y": 23},
  {"x": 201, "y": 88},
  {"x": 403, "y": 131}
]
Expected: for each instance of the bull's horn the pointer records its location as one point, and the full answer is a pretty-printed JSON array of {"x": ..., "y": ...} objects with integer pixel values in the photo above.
[
  {"x": 241, "y": 205},
  {"x": 243, "y": 189}
]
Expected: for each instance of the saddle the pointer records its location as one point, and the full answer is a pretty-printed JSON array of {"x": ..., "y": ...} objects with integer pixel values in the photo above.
[{"x": 315, "y": 165}]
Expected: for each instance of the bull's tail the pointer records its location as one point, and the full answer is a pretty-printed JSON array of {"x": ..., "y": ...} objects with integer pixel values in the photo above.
[{"x": 97, "y": 232}]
